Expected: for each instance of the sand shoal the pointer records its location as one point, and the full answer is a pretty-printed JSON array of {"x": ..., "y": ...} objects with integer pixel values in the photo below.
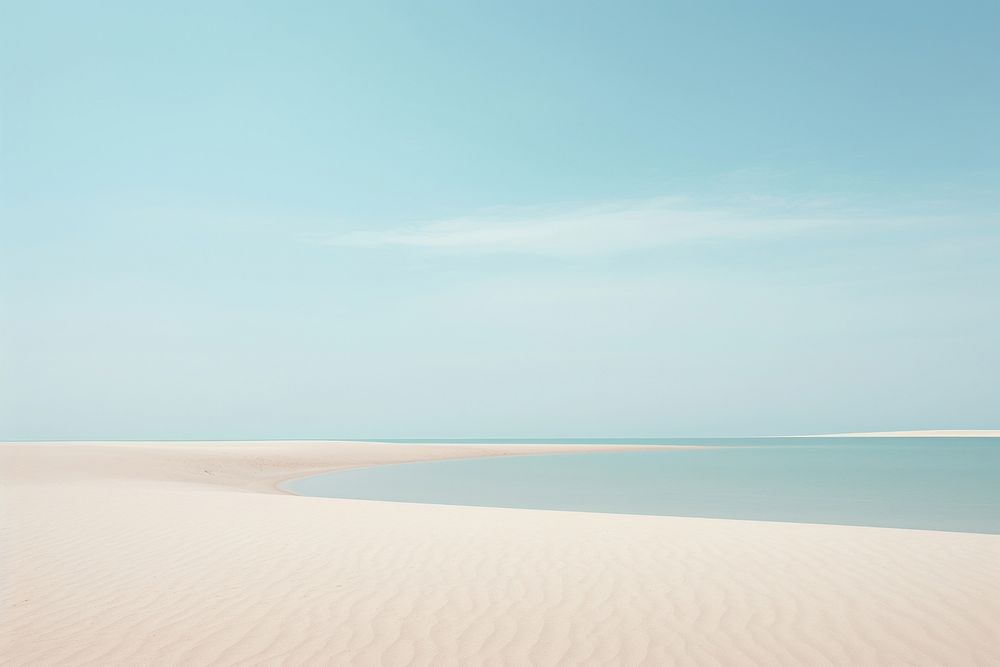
[
  {"x": 953, "y": 433},
  {"x": 187, "y": 554}
]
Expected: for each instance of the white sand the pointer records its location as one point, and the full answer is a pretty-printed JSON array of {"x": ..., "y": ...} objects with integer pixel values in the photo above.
[
  {"x": 184, "y": 554},
  {"x": 954, "y": 433}
]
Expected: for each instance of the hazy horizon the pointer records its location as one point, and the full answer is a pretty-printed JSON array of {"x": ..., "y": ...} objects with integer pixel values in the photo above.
[{"x": 296, "y": 220}]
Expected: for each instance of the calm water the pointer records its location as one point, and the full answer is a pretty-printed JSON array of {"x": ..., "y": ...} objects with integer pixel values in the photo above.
[{"x": 930, "y": 483}]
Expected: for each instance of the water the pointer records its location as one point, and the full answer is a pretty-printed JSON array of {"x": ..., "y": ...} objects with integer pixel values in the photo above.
[{"x": 928, "y": 483}]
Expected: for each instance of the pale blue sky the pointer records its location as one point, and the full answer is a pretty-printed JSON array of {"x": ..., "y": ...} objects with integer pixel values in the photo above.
[{"x": 509, "y": 219}]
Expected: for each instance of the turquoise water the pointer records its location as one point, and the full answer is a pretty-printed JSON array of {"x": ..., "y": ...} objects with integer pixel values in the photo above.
[{"x": 929, "y": 483}]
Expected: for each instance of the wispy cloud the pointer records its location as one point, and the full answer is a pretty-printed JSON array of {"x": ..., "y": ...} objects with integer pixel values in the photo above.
[{"x": 611, "y": 227}]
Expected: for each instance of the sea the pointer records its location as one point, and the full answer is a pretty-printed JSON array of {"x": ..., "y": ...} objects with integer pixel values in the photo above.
[{"x": 950, "y": 484}]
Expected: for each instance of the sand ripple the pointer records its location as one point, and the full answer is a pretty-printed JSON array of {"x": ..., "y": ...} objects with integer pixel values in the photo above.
[{"x": 176, "y": 573}]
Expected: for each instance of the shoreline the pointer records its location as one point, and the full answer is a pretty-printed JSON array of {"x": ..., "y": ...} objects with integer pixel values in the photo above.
[
  {"x": 190, "y": 553},
  {"x": 541, "y": 450}
]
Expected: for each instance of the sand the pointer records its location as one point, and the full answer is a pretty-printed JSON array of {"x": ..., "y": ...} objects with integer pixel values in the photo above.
[
  {"x": 186, "y": 554},
  {"x": 954, "y": 433}
]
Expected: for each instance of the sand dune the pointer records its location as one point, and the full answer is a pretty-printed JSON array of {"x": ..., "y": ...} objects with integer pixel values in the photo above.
[{"x": 184, "y": 554}]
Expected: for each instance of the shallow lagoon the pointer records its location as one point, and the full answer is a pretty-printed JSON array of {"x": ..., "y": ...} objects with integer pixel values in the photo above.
[{"x": 928, "y": 483}]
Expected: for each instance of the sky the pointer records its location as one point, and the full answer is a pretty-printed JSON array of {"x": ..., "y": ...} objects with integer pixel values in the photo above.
[{"x": 375, "y": 219}]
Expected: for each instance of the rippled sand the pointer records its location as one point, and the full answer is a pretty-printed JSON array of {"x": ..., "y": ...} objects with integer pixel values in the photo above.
[{"x": 185, "y": 554}]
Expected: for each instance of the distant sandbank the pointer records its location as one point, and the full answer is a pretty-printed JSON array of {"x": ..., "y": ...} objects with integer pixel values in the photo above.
[{"x": 954, "y": 433}]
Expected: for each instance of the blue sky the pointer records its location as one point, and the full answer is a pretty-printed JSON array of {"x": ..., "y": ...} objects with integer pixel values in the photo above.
[{"x": 315, "y": 219}]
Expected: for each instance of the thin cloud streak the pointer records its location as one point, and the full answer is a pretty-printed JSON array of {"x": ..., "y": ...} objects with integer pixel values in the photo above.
[{"x": 615, "y": 227}]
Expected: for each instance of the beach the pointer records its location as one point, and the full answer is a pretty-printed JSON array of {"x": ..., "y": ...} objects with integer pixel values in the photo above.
[
  {"x": 156, "y": 553},
  {"x": 938, "y": 433}
]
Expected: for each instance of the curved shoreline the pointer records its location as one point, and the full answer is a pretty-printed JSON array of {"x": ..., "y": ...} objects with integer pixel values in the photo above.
[
  {"x": 412, "y": 482},
  {"x": 544, "y": 450}
]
